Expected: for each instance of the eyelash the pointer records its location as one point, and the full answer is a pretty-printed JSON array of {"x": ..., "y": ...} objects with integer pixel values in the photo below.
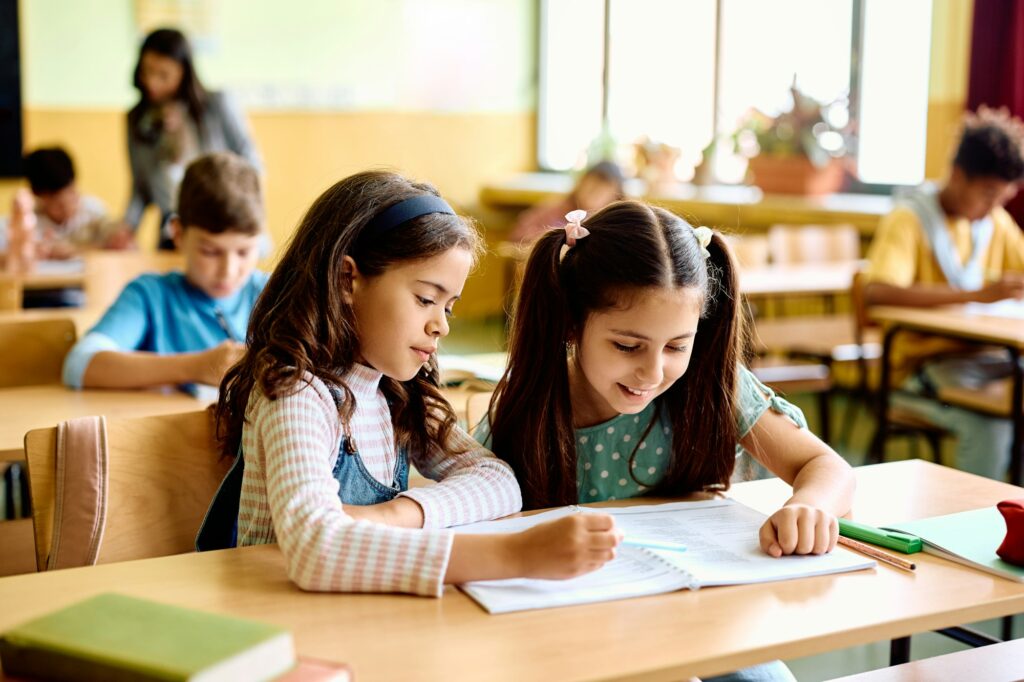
[
  {"x": 622, "y": 348},
  {"x": 426, "y": 302}
]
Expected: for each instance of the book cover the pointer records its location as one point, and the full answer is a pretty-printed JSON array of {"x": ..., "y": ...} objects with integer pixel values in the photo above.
[
  {"x": 970, "y": 538},
  {"x": 116, "y": 637}
]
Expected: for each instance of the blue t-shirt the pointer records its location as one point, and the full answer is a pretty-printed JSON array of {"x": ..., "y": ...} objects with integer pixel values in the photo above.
[{"x": 165, "y": 314}]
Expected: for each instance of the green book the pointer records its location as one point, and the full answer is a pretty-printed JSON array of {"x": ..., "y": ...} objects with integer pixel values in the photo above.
[
  {"x": 118, "y": 638},
  {"x": 970, "y": 538}
]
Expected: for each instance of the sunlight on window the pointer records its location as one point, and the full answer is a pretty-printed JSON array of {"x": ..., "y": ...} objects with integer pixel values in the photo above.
[
  {"x": 764, "y": 44},
  {"x": 894, "y": 91},
  {"x": 571, "y": 59},
  {"x": 663, "y": 75}
]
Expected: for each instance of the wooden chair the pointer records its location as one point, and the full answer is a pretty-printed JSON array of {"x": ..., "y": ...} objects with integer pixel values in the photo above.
[
  {"x": 11, "y": 293},
  {"x": 787, "y": 376},
  {"x": 750, "y": 250},
  {"x": 796, "y": 244},
  {"x": 32, "y": 351},
  {"x": 162, "y": 474}
]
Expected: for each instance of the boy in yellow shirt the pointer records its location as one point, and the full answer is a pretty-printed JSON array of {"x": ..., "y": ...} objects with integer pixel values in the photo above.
[{"x": 954, "y": 243}]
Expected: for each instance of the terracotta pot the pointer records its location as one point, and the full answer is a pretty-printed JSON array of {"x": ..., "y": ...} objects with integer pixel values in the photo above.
[{"x": 795, "y": 175}]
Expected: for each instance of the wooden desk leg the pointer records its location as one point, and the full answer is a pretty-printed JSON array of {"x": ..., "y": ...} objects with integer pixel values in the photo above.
[
  {"x": 899, "y": 651},
  {"x": 876, "y": 452},
  {"x": 1017, "y": 418}
]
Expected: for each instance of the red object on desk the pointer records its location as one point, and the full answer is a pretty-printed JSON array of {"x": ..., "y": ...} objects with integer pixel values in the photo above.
[{"x": 1012, "y": 549}]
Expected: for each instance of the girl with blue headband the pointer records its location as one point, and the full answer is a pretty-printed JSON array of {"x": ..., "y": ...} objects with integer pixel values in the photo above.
[{"x": 338, "y": 395}]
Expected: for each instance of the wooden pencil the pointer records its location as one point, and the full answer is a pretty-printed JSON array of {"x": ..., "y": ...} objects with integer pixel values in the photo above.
[{"x": 876, "y": 553}]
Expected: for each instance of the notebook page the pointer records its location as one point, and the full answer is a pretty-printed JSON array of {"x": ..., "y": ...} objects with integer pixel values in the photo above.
[
  {"x": 633, "y": 573},
  {"x": 722, "y": 546},
  {"x": 722, "y": 549}
]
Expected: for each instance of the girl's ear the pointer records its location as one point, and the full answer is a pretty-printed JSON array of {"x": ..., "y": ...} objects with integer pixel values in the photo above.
[{"x": 352, "y": 279}]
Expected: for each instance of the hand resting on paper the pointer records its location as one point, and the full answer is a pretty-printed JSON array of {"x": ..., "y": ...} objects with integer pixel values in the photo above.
[{"x": 799, "y": 529}]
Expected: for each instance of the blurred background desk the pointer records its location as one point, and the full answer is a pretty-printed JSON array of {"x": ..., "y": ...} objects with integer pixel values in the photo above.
[{"x": 732, "y": 208}]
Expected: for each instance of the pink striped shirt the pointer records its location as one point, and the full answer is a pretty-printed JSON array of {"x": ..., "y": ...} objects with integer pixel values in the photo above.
[{"x": 290, "y": 496}]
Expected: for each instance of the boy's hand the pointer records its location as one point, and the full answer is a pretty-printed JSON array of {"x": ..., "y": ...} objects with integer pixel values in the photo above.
[
  {"x": 23, "y": 205},
  {"x": 566, "y": 548},
  {"x": 121, "y": 239},
  {"x": 1010, "y": 286},
  {"x": 210, "y": 366},
  {"x": 799, "y": 529}
]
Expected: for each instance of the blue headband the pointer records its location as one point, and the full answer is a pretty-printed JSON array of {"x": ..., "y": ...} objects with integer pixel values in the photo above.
[{"x": 404, "y": 211}]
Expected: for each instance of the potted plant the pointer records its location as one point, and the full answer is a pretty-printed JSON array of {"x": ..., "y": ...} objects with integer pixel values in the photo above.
[{"x": 797, "y": 152}]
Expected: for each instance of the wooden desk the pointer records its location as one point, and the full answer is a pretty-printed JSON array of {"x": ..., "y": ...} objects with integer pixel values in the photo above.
[
  {"x": 735, "y": 208},
  {"x": 666, "y": 637},
  {"x": 956, "y": 322},
  {"x": 103, "y": 274},
  {"x": 34, "y": 407}
]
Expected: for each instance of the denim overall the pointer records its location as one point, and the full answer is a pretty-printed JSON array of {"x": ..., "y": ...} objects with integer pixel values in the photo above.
[{"x": 357, "y": 486}]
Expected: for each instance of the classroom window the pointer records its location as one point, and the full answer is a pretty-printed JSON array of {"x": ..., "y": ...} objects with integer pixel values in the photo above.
[{"x": 613, "y": 72}]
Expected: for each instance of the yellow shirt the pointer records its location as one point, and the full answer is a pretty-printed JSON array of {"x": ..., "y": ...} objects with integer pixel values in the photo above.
[{"x": 901, "y": 255}]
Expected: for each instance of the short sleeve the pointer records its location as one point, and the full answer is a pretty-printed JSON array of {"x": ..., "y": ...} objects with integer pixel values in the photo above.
[
  {"x": 126, "y": 322},
  {"x": 753, "y": 399},
  {"x": 892, "y": 257},
  {"x": 81, "y": 354}
]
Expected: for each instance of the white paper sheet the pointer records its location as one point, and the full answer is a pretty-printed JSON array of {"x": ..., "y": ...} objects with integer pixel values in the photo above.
[{"x": 721, "y": 537}]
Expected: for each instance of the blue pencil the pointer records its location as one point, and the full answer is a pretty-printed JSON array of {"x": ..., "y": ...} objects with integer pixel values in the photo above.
[{"x": 654, "y": 544}]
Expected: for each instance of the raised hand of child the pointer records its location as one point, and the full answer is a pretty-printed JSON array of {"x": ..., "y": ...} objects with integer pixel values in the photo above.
[
  {"x": 799, "y": 529},
  {"x": 211, "y": 365},
  {"x": 568, "y": 547}
]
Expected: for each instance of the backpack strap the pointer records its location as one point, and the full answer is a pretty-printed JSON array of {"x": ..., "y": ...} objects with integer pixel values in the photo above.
[{"x": 80, "y": 493}]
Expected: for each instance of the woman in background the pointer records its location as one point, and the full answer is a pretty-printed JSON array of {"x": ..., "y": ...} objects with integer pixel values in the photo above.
[{"x": 175, "y": 121}]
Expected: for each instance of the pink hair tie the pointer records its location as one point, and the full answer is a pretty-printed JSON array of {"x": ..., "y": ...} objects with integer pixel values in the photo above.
[{"x": 573, "y": 228}]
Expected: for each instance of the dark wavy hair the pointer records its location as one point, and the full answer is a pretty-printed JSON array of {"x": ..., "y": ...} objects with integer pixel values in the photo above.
[
  {"x": 991, "y": 146},
  {"x": 302, "y": 324},
  {"x": 632, "y": 247},
  {"x": 171, "y": 43}
]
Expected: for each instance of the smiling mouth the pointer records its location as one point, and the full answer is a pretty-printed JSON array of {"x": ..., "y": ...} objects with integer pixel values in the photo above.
[{"x": 635, "y": 392}]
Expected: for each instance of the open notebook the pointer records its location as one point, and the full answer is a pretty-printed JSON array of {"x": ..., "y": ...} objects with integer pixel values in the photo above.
[{"x": 721, "y": 537}]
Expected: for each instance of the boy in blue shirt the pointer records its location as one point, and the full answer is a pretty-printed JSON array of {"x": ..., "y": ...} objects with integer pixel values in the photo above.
[{"x": 185, "y": 328}]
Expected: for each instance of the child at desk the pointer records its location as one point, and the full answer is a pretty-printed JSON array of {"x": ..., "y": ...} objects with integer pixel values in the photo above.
[
  {"x": 338, "y": 394},
  {"x": 59, "y": 218},
  {"x": 53, "y": 221},
  {"x": 625, "y": 379},
  {"x": 600, "y": 185},
  {"x": 185, "y": 328},
  {"x": 954, "y": 243}
]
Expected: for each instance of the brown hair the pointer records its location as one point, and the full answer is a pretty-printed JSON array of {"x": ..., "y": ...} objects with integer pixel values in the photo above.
[
  {"x": 302, "y": 324},
  {"x": 631, "y": 247},
  {"x": 221, "y": 193}
]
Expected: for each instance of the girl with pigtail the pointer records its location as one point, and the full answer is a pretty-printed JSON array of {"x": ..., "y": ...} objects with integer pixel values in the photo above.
[{"x": 625, "y": 378}]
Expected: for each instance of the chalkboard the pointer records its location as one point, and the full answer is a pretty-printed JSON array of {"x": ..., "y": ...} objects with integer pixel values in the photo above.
[{"x": 10, "y": 91}]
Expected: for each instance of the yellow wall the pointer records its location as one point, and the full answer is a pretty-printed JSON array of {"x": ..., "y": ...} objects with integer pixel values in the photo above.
[
  {"x": 305, "y": 152},
  {"x": 947, "y": 84}
]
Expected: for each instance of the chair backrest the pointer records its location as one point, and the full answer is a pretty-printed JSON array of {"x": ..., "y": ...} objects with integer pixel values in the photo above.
[
  {"x": 793, "y": 244},
  {"x": 10, "y": 293},
  {"x": 750, "y": 250},
  {"x": 162, "y": 473},
  {"x": 32, "y": 351}
]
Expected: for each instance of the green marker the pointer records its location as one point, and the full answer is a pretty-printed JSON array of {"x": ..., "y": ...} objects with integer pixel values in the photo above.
[{"x": 901, "y": 542}]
